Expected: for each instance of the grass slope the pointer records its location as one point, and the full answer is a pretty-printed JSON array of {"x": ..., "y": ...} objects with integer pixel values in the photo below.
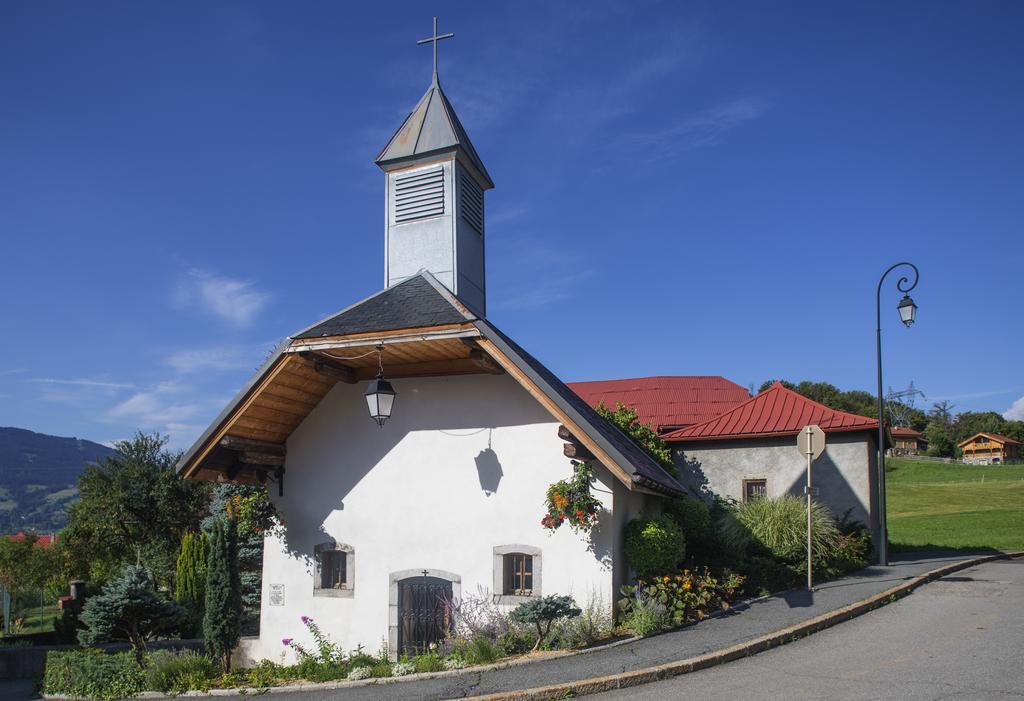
[{"x": 955, "y": 506}]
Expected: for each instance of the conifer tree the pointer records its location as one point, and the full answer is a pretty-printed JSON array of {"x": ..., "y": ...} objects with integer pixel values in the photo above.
[
  {"x": 190, "y": 576},
  {"x": 223, "y": 614}
]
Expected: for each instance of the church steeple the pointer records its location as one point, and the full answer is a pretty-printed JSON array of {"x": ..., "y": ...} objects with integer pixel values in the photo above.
[{"x": 435, "y": 198}]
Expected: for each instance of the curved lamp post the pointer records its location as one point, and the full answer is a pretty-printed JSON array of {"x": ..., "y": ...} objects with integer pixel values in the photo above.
[{"x": 908, "y": 312}]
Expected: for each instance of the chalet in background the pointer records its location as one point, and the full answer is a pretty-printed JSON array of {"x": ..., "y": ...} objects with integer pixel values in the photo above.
[
  {"x": 907, "y": 441},
  {"x": 989, "y": 449}
]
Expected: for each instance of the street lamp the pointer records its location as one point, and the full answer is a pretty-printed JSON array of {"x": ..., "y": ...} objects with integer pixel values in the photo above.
[{"x": 908, "y": 312}]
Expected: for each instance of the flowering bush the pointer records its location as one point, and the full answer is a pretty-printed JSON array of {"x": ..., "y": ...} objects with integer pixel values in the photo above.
[
  {"x": 453, "y": 663},
  {"x": 401, "y": 669},
  {"x": 358, "y": 673},
  {"x": 687, "y": 596},
  {"x": 570, "y": 500},
  {"x": 254, "y": 513},
  {"x": 327, "y": 652}
]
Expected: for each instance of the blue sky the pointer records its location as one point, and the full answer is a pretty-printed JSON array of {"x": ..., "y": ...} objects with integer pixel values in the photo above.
[{"x": 693, "y": 188}]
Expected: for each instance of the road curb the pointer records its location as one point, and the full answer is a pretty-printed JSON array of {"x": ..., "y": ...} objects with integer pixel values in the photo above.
[{"x": 751, "y": 647}]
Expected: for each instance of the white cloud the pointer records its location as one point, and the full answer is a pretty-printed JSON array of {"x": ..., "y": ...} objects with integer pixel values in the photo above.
[
  {"x": 705, "y": 128},
  {"x": 169, "y": 408},
  {"x": 235, "y": 301},
  {"x": 83, "y": 383},
  {"x": 1016, "y": 411},
  {"x": 214, "y": 359}
]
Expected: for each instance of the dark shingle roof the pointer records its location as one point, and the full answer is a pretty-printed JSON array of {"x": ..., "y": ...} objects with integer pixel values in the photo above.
[
  {"x": 646, "y": 471},
  {"x": 409, "y": 304}
]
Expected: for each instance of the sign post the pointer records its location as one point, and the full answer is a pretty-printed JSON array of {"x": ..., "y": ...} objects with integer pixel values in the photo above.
[{"x": 810, "y": 442}]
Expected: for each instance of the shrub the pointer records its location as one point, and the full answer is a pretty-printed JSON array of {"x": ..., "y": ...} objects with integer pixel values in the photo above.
[
  {"x": 543, "y": 612},
  {"x": 326, "y": 652},
  {"x": 167, "y": 670},
  {"x": 594, "y": 623},
  {"x": 778, "y": 526},
  {"x": 654, "y": 546},
  {"x": 430, "y": 662},
  {"x": 644, "y": 614},
  {"x": 381, "y": 669},
  {"x": 687, "y": 596},
  {"x": 453, "y": 663},
  {"x": 92, "y": 674},
  {"x": 402, "y": 669},
  {"x": 694, "y": 519},
  {"x": 129, "y": 609},
  {"x": 223, "y": 606},
  {"x": 358, "y": 673},
  {"x": 481, "y": 651}
]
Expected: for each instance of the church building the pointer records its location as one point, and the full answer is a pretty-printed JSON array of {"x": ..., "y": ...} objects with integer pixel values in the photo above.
[{"x": 408, "y": 443}]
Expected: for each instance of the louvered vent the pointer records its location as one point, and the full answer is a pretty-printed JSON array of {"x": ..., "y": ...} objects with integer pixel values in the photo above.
[
  {"x": 471, "y": 202},
  {"x": 419, "y": 195}
]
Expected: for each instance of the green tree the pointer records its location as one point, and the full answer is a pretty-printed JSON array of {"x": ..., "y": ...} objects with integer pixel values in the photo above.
[
  {"x": 223, "y": 611},
  {"x": 133, "y": 508},
  {"x": 939, "y": 431},
  {"x": 627, "y": 420},
  {"x": 129, "y": 609},
  {"x": 543, "y": 612},
  {"x": 25, "y": 565},
  {"x": 190, "y": 576}
]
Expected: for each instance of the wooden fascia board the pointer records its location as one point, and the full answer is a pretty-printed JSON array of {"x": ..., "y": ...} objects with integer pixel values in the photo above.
[
  {"x": 530, "y": 386},
  {"x": 214, "y": 438},
  {"x": 428, "y": 333}
]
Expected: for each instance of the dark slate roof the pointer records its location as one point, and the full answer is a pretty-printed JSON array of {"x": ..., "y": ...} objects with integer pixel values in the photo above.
[
  {"x": 431, "y": 127},
  {"x": 410, "y": 304},
  {"x": 646, "y": 472}
]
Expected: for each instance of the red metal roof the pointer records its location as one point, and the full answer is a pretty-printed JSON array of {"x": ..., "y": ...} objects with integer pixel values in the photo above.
[
  {"x": 775, "y": 412},
  {"x": 666, "y": 402},
  {"x": 905, "y": 431},
  {"x": 42, "y": 541}
]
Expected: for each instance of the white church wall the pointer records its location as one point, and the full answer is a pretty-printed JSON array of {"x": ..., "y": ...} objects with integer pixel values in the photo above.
[{"x": 461, "y": 467}]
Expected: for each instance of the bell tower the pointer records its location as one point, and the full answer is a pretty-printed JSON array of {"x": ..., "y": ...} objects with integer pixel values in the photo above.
[{"x": 435, "y": 198}]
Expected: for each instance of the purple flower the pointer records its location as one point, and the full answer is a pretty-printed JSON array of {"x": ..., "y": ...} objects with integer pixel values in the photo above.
[
  {"x": 286, "y": 641},
  {"x": 306, "y": 620}
]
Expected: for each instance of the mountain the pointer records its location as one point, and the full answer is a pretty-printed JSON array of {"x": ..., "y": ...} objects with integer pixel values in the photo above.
[{"x": 38, "y": 474}]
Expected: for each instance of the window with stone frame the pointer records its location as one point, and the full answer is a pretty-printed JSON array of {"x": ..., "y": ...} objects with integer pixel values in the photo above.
[
  {"x": 335, "y": 570},
  {"x": 518, "y": 571},
  {"x": 755, "y": 489}
]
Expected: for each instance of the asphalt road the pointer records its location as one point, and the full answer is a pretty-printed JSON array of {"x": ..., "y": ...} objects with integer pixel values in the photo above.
[{"x": 960, "y": 637}]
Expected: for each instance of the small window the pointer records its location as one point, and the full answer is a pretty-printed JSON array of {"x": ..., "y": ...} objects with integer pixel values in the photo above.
[
  {"x": 518, "y": 574},
  {"x": 754, "y": 489},
  {"x": 335, "y": 570},
  {"x": 333, "y": 574}
]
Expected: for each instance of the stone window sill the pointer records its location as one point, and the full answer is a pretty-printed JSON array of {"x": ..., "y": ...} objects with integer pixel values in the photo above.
[{"x": 334, "y": 593}]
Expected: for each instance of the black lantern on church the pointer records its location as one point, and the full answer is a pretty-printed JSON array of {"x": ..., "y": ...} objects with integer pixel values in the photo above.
[{"x": 380, "y": 395}]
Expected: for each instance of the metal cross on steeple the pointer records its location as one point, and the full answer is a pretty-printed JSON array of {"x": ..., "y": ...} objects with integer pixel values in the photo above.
[{"x": 433, "y": 40}]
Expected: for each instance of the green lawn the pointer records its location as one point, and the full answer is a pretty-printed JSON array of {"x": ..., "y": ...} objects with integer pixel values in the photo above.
[
  {"x": 35, "y": 619},
  {"x": 955, "y": 506}
]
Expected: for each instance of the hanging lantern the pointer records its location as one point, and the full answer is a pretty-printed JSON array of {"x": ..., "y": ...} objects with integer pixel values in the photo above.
[
  {"x": 380, "y": 395},
  {"x": 907, "y": 310}
]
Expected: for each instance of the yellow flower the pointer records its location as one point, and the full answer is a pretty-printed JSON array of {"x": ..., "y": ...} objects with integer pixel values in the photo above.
[{"x": 687, "y": 585}]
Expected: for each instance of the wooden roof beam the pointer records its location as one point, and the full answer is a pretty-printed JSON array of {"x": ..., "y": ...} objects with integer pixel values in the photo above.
[{"x": 329, "y": 367}]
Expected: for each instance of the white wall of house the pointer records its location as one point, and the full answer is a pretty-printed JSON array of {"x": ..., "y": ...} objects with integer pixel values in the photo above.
[
  {"x": 845, "y": 473},
  {"x": 461, "y": 467}
]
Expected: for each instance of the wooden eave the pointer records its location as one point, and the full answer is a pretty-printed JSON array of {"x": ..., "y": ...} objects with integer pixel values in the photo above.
[{"x": 303, "y": 371}]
